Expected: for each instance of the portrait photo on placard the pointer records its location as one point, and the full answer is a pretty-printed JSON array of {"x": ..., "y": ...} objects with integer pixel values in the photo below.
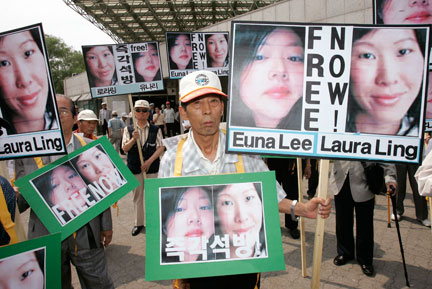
[
  {"x": 27, "y": 99},
  {"x": 147, "y": 65},
  {"x": 212, "y": 224},
  {"x": 31, "y": 264}
]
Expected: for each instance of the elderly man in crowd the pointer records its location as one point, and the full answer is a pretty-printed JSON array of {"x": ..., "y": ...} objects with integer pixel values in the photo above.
[{"x": 87, "y": 123}]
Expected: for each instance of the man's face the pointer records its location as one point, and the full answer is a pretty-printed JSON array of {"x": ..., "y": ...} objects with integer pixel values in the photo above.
[
  {"x": 67, "y": 119},
  {"x": 87, "y": 127},
  {"x": 204, "y": 114}
]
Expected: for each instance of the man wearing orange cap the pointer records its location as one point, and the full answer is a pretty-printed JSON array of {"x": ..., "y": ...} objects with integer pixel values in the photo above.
[{"x": 202, "y": 152}]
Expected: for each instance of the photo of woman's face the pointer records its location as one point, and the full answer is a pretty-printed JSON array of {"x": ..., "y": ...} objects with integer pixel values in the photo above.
[
  {"x": 239, "y": 208},
  {"x": 94, "y": 164},
  {"x": 21, "y": 272},
  {"x": 193, "y": 217},
  {"x": 147, "y": 63},
  {"x": 23, "y": 76},
  {"x": 66, "y": 185},
  {"x": 273, "y": 81},
  {"x": 101, "y": 63},
  {"x": 181, "y": 51},
  {"x": 386, "y": 73},
  {"x": 217, "y": 47},
  {"x": 407, "y": 12}
]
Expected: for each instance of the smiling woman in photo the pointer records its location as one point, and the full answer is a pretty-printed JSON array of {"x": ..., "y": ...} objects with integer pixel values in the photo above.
[
  {"x": 180, "y": 51},
  {"x": 404, "y": 11},
  {"x": 101, "y": 65},
  {"x": 217, "y": 50},
  {"x": 147, "y": 65},
  {"x": 25, "y": 98}
]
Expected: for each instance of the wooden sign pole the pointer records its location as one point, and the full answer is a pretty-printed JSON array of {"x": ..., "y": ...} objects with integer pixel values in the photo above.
[
  {"x": 319, "y": 232},
  {"x": 301, "y": 221}
]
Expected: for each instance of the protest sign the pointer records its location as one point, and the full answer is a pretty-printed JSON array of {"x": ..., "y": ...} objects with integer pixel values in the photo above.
[
  {"x": 31, "y": 264},
  {"x": 73, "y": 190},
  {"x": 29, "y": 120},
  {"x": 328, "y": 91},
  {"x": 191, "y": 230},
  {"x": 123, "y": 68},
  {"x": 187, "y": 52}
]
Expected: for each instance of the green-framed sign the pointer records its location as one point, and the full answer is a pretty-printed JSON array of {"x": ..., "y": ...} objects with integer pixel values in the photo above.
[
  {"x": 212, "y": 225},
  {"x": 32, "y": 264},
  {"x": 74, "y": 189}
]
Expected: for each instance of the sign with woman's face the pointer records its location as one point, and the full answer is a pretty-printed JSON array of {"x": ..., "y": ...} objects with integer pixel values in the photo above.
[
  {"x": 328, "y": 91},
  {"x": 29, "y": 120},
  {"x": 123, "y": 68},
  {"x": 211, "y": 223},
  {"x": 187, "y": 52},
  {"x": 31, "y": 264},
  {"x": 70, "y": 192}
]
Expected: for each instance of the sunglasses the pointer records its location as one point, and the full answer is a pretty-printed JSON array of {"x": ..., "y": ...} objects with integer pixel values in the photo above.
[{"x": 141, "y": 110}]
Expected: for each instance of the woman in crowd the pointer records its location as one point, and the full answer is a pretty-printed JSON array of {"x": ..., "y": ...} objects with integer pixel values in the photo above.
[
  {"x": 268, "y": 77},
  {"x": 23, "y": 271},
  {"x": 240, "y": 215},
  {"x": 147, "y": 65},
  {"x": 187, "y": 215},
  {"x": 25, "y": 96},
  {"x": 63, "y": 189},
  {"x": 217, "y": 50},
  {"x": 180, "y": 51},
  {"x": 404, "y": 11},
  {"x": 159, "y": 120},
  {"x": 100, "y": 63},
  {"x": 94, "y": 165},
  {"x": 386, "y": 81}
]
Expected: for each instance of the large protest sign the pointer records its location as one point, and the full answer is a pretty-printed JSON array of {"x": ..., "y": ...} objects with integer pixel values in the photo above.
[
  {"x": 328, "y": 91},
  {"x": 123, "y": 68},
  {"x": 29, "y": 120},
  {"x": 406, "y": 12},
  {"x": 31, "y": 264},
  {"x": 188, "y": 52},
  {"x": 71, "y": 191},
  {"x": 191, "y": 230}
]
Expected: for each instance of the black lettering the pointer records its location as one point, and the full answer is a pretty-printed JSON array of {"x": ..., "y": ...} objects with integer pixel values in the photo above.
[
  {"x": 335, "y": 37},
  {"x": 312, "y": 36},
  {"x": 238, "y": 139},
  {"x": 295, "y": 143},
  {"x": 336, "y": 92},
  {"x": 311, "y": 64},
  {"x": 309, "y": 119},
  {"x": 202, "y": 55},
  {"x": 310, "y": 92},
  {"x": 200, "y": 37},
  {"x": 332, "y": 65}
]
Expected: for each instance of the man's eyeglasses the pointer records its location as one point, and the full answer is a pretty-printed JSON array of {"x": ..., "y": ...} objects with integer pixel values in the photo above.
[{"x": 141, "y": 110}]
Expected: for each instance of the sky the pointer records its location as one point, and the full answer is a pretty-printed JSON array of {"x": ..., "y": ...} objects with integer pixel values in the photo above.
[{"x": 57, "y": 19}]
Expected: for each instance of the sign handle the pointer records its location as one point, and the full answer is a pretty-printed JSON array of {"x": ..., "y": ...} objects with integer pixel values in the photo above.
[
  {"x": 301, "y": 221},
  {"x": 319, "y": 231},
  {"x": 135, "y": 127}
]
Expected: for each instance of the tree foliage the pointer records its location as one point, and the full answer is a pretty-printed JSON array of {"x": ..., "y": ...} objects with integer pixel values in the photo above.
[{"x": 63, "y": 60}]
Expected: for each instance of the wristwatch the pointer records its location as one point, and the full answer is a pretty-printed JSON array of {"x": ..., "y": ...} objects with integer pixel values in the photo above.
[{"x": 293, "y": 216}]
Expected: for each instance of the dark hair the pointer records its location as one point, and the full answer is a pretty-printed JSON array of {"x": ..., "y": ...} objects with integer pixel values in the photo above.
[
  {"x": 90, "y": 76},
  {"x": 247, "y": 42},
  {"x": 354, "y": 107},
  {"x": 169, "y": 200},
  {"x": 171, "y": 39},
  {"x": 49, "y": 107},
  {"x": 217, "y": 189},
  {"x": 40, "y": 257},
  {"x": 209, "y": 59},
  {"x": 138, "y": 76},
  {"x": 71, "y": 104},
  {"x": 379, "y": 10}
]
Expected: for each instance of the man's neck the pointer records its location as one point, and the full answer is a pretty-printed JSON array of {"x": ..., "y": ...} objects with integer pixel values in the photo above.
[
  {"x": 208, "y": 145},
  {"x": 67, "y": 136},
  {"x": 142, "y": 123}
]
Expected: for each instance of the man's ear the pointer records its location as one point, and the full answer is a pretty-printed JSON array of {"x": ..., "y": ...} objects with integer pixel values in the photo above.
[{"x": 183, "y": 113}]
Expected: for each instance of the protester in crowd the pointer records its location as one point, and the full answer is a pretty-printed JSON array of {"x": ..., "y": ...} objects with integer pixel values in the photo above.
[
  {"x": 151, "y": 112},
  {"x": 151, "y": 145},
  {"x": 115, "y": 130},
  {"x": 95, "y": 166},
  {"x": 87, "y": 123},
  {"x": 349, "y": 185},
  {"x": 159, "y": 120},
  {"x": 25, "y": 97},
  {"x": 169, "y": 114},
  {"x": 404, "y": 12},
  {"x": 202, "y": 152},
  {"x": 147, "y": 64},
  {"x": 187, "y": 214},
  {"x": 239, "y": 212},
  {"x": 419, "y": 201},
  {"x": 22, "y": 271},
  {"x": 101, "y": 65},
  {"x": 85, "y": 247},
  {"x": 180, "y": 51},
  {"x": 217, "y": 50},
  {"x": 386, "y": 80},
  {"x": 104, "y": 117},
  {"x": 268, "y": 77}
]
